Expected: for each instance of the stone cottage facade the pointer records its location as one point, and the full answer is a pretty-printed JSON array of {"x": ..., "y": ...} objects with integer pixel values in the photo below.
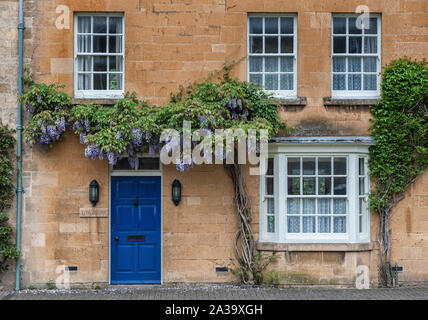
[{"x": 322, "y": 61}]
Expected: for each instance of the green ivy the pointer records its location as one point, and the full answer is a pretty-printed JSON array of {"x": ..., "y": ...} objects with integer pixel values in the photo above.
[
  {"x": 400, "y": 128},
  {"x": 7, "y": 250}
]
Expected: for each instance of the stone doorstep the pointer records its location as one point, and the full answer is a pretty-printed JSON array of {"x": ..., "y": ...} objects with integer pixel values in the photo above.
[{"x": 335, "y": 247}]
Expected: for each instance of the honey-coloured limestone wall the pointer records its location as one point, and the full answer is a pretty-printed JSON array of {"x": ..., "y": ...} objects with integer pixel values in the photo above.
[{"x": 169, "y": 43}]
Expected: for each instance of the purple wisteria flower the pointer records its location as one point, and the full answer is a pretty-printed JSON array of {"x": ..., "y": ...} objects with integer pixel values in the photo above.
[
  {"x": 82, "y": 138},
  {"x": 91, "y": 151}
]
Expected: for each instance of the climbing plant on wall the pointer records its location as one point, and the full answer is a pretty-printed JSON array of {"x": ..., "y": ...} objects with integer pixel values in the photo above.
[
  {"x": 132, "y": 126},
  {"x": 400, "y": 128},
  {"x": 7, "y": 250}
]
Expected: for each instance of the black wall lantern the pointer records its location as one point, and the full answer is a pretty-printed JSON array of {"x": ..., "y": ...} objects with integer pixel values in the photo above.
[
  {"x": 176, "y": 192},
  {"x": 94, "y": 192}
]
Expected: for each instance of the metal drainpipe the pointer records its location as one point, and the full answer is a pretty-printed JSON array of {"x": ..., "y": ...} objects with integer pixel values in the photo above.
[{"x": 19, "y": 189}]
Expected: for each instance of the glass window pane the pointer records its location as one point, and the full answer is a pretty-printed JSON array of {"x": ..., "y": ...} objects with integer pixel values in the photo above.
[
  {"x": 84, "y": 63},
  {"x": 371, "y": 28},
  {"x": 115, "y": 81},
  {"x": 287, "y": 82},
  {"x": 100, "y": 24},
  {"x": 271, "y": 64},
  {"x": 339, "y": 225},
  {"x": 355, "y": 44},
  {"x": 271, "y": 44},
  {"x": 324, "y": 166},
  {"x": 293, "y": 224},
  {"x": 271, "y": 224},
  {"x": 293, "y": 166},
  {"x": 340, "y": 186},
  {"x": 339, "y": 44},
  {"x": 309, "y": 166},
  {"x": 256, "y": 64},
  {"x": 339, "y": 25},
  {"x": 361, "y": 167},
  {"x": 84, "y": 44},
  {"x": 353, "y": 27},
  {"x": 100, "y": 81},
  {"x": 324, "y": 224},
  {"x": 100, "y": 43},
  {"x": 256, "y": 25},
  {"x": 308, "y": 224},
  {"x": 84, "y": 82},
  {"x": 271, "y": 25},
  {"x": 370, "y": 45},
  {"x": 324, "y": 186},
  {"x": 308, "y": 186},
  {"x": 370, "y": 82},
  {"x": 287, "y": 25},
  {"x": 271, "y": 81},
  {"x": 339, "y": 64},
  {"x": 257, "y": 79},
  {"x": 115, "y": 64},
  {"x": 339, "y": 166},
  {"x": 293, "y": 206},
  {"x": 354, "y": 82},
  {"x": 115, "y": 44},
  {"x": 361, "y": 186},
  {"x": 270, "y": 167},
  {"x": 293, "y": 186},
  {"x": 270, "y": 206},
  {"x": 370, "y": 64},
  {"x": 256, "y": 45},
  {"x": 287, "y": 64},
  {"x": 84, "y": 24},
  {"x": 115, "y": 25},
  {"x": 339, "y": 82},
  {"x": 339, "y": 206},
  {"x": 269, "y": 186},
  {"x": 287, "y": 45},
  {"x": 354, "y": 64},
  {"x": 100, "y": 63},
  {"x": 324, "y": 206}
]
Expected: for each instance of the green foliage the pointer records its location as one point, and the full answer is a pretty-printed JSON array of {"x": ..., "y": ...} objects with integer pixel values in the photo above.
[
  {"x": 50, "y": 285},
  {"x": 400, "y": 128},
  {"x": 7, "y": 250},
  {"x": 260, "y": 263}
]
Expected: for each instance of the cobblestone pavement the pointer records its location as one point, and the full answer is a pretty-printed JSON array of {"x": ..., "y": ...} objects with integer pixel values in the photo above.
[{"x": 218, "y": 292}]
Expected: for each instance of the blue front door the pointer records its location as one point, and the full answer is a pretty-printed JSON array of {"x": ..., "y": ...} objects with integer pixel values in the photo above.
[{"x": 135, "y": 230}]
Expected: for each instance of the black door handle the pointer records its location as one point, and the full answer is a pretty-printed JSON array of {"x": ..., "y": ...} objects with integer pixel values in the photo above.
[
  {"x": 136, "y": 201},
  {"x": 116, "y": 238}
]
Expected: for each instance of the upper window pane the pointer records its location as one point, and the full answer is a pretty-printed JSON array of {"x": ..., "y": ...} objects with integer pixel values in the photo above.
[
  {"x": 339, "y": 25},
  {"x": 287, "y": 25},
  {"x": 256, "y": 25},
  {"x": 271, "y": 25}
]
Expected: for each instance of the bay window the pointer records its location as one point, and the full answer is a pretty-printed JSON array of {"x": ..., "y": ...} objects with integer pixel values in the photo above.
[{"x": 315, "y": 194}]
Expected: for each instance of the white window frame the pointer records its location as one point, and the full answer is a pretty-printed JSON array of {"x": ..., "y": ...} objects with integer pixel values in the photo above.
[
  {"x": 357, "y": 94},
  {"x": 98, "y": 94},
  {"x": 280, "y": 152},
  {"x": 289, "y": 94}
]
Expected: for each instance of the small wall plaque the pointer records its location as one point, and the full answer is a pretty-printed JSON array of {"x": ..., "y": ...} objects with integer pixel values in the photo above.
[{"x": 93, "y": 213}]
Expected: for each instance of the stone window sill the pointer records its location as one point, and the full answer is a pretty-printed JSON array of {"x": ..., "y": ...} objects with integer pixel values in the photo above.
[
  {"x": 296, "y": 102},
  {"x": 293, "y": 247},
  {"x": 77, "y": 101},
  {"x": 328, "y": 101}
]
